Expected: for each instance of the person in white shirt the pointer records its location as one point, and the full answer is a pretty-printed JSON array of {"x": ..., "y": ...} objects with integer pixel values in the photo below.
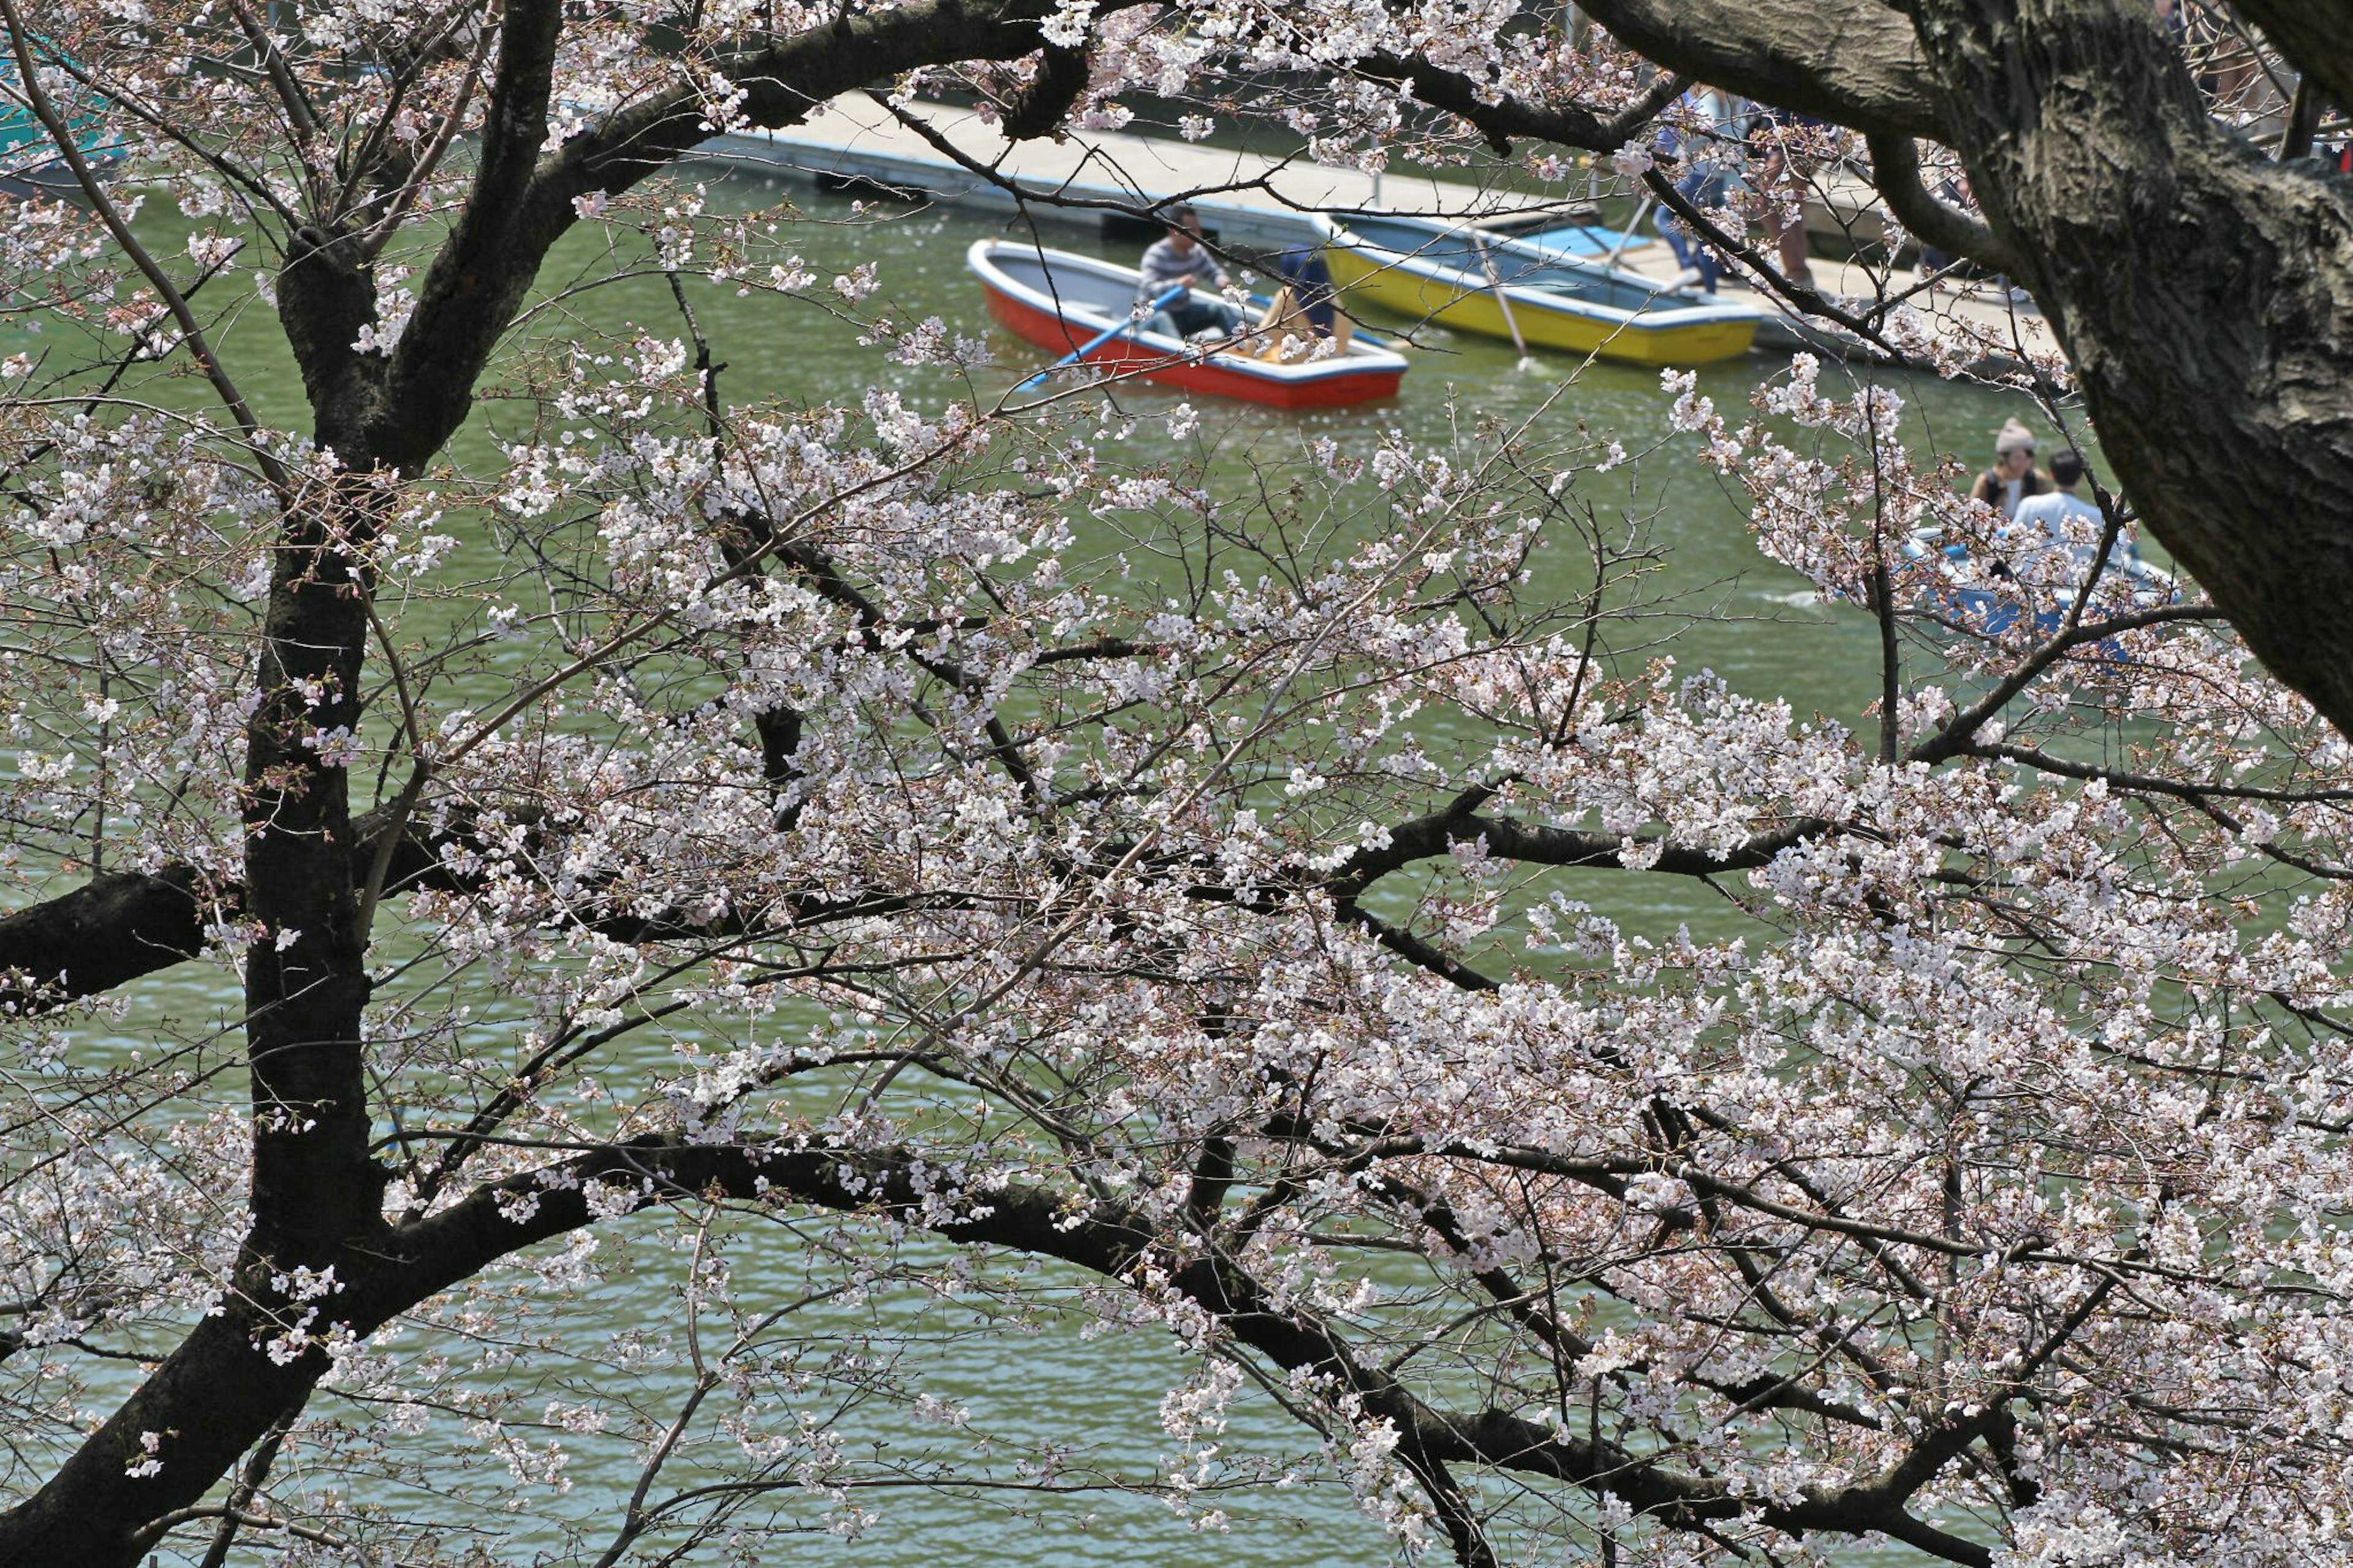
[{"x": 2054, "y": 537}]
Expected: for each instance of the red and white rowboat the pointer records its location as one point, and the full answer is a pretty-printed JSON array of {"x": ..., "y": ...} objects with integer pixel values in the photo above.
[{"x": 1059, "y": 301}]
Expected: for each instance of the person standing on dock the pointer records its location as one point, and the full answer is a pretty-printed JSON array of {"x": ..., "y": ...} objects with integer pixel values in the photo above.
[
  {"x": 1783, "y": 158},
  {"x": 1712, "y": 123},
  {"x": 2013, "y": 476},
  {"x": 1179, "y": 256}
]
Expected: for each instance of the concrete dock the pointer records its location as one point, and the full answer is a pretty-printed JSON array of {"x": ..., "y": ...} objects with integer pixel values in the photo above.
[{"x": 1253, "y": 201}]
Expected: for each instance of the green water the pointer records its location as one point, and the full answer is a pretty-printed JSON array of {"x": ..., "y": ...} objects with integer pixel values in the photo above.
[{"x": 1752, "y": 621}]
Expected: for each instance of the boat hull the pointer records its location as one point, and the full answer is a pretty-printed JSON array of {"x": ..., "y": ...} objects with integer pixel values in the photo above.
[
  {"x": 1207, "y": 375},
  {"x": 1411, "y": 293}
]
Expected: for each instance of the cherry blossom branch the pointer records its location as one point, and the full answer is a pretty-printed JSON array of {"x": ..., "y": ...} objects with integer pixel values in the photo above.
[
  {"x": 153, "y": 1533},
  {"x": 419, "y": 174},
  {"x": 298, "y": 116},
  {"x": 1963, "y": 726},
  {"x": 241, "y": 1498},
  {"x": 1113, "y": 1242},
  {"x": 2126, "y": 779},
  {"x": 1565, "y": 125},
  {"x": 1800, "y": 293},
  {"x": 122, "y": 99},
  {"x": 68, "y": 148}
]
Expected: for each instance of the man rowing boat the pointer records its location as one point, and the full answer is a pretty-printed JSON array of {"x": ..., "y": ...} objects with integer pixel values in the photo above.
[{"x": 1179, "y": 256}]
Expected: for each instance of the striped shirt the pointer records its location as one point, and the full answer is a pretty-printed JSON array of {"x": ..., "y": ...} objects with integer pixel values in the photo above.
[{"x": 1165, "y": 266}]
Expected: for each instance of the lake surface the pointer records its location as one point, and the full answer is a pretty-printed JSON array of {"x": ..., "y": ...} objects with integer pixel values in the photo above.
[{"x": 1046, "y": 1382}]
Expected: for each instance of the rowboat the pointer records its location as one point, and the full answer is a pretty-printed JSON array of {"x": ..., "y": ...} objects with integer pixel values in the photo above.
[
  {"x": 1434, "y": 270},
  {"x": 1946, "y": 580},
  {"x": 1059, "y": 301}
]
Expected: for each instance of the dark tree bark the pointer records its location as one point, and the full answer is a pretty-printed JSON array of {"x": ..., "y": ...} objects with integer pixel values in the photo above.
[
  {"x": 2203, "y": 292},
  {"x": 1061, "y": 77},
  {"x": 1854, "y": 61},
  {"x": 115, "y": 929}
]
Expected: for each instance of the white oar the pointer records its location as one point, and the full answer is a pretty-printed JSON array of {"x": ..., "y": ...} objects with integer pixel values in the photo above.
[
  {"x": 1495, "y": 282},
  {"x": 1084, "y": 350},
  {"x": 1626, "y": 237}
]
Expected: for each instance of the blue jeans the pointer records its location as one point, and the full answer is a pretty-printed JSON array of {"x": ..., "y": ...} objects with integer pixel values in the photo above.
[
  {"x": 1189, "y": 316},
  {"x": 1704, "y": 188}
]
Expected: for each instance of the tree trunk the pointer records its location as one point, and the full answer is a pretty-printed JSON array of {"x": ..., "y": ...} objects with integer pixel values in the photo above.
[
  {"x": 208, "y": 1403},
  {"x": 2204, "y": 293}
]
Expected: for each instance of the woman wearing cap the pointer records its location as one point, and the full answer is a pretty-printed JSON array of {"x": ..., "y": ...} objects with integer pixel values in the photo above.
[{"x": 2013, "y": 476}]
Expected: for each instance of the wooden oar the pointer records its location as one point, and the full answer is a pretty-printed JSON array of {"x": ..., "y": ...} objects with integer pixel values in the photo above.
[
  {"x": 1084, "y": 350},
  {"x": 1495, "y": 282}
]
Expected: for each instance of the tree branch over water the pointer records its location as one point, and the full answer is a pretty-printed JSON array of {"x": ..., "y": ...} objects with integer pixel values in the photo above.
[{"x": 1596, "y": 1054}]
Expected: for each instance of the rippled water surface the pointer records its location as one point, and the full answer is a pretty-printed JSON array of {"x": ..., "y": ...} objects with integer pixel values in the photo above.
[{"x": 1045, "y": 1383}]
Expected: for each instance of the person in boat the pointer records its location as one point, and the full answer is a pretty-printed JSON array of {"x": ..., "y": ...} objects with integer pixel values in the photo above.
[
  {"x": 2013, "y": 478},
  {"x": 2057, "y": 526},
  {"x": 1179, "y": 256},
  {"x": 1305, "y": 308}
]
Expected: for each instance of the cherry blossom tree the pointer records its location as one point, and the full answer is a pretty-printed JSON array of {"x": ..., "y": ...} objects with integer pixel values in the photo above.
[{"x": 919, "y": 851}]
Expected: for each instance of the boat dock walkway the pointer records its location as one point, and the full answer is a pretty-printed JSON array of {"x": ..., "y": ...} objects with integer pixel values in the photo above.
[{"x": 1249, "y": 200}]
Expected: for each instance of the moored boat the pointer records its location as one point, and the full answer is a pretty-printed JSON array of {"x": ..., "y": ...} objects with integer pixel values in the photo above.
[
  {"x": 1061, "y": 300},
  {"x": 1451, "y": 273},
  {"x": 30, "y": 164}
]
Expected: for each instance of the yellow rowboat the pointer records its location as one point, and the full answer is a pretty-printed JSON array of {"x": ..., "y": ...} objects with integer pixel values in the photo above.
[{"x": 1437, "y": 271}]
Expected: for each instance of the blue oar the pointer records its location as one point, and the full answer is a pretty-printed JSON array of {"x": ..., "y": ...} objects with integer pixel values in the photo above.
[{"x": 1084, "y": 350}]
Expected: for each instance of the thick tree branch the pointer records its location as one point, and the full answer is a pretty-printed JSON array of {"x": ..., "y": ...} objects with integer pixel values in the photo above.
[
  {"x": 2313, "y": 35},
  {"x": 1895, "y": 173},
  {"x": 1509, "y": 838},
  {"x": 105, "y": 933},
  {"x": 1062, "y": 79},
  {"x": 1112, "y": 1242},
  {"x": 1853, "y": 61},
  {"x": 485, "y": 266}
]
